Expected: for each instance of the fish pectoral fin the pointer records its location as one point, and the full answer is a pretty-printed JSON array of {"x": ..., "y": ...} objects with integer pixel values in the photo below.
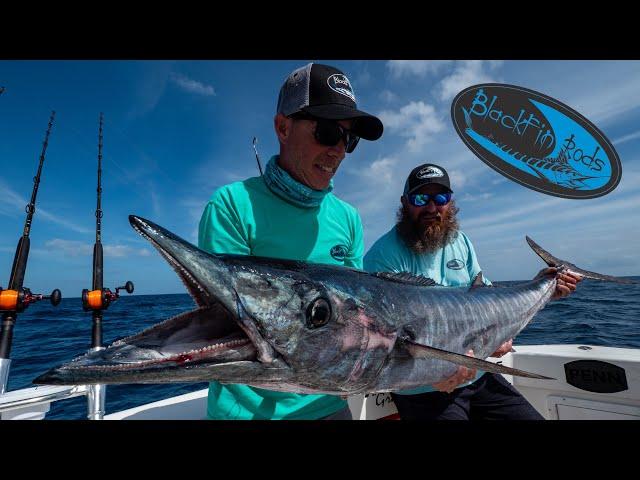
[{"x": 417, "y": 350}]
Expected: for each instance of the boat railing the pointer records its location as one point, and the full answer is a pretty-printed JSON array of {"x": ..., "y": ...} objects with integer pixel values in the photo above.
[{"x": 33, "y": 403}]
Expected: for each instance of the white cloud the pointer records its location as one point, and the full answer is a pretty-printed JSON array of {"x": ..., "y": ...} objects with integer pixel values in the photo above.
[
  {"x": 607, "y": 100},
  {"x": 627, "y": 138},
  {"x": 524, "y": 217},
  {"x": 75, "y": 248},
  {"x": 481, "y": 197},
  {"x": 149, "y": 89},
  {"x": 14, "y": 204},
  {"x": 380, "y": 171},
  {"x": 65, "y": 223},
  {"x": 493, "y": 64},
  {"x": 388, "y": 96},
  {"x": 155, "y": 201},
  {"x": 458, "y": 177},
  {"x": 417, "y": 120},
  {"x": 124, "y": 251},
  {"x": 420, "y": 68},
  {"x": 71, "y": 248},
  {"x": 466, "y": 73},
  {"x": 192, "y": 86}
]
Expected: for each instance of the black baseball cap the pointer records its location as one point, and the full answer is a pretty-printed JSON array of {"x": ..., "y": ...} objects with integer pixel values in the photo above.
[
  {"x": 425, "y": 175},
  {"x": 325, "y": 92}
]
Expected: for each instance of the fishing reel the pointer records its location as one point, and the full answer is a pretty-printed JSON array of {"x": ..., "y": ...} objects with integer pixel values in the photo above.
[
  {"x": 101, "y": 299},
  {"x": 18, "y": 300}
]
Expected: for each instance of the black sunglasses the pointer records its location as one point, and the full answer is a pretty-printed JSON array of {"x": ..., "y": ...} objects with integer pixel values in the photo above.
[{"x": 330, "y": 132}]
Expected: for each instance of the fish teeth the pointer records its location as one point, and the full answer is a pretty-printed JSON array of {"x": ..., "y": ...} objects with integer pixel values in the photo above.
[{"x": 216, "y": 346}]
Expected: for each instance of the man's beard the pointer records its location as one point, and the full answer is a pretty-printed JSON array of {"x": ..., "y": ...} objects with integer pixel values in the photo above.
[{"x": 427, "y": 238}]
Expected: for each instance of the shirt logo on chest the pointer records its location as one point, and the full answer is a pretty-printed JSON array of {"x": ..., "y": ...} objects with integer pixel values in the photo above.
[
  {"x": 339, "y": 252},
  {"x": 455, "y": 264}
]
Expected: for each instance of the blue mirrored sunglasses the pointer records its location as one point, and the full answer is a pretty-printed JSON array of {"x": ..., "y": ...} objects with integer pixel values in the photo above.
[{"x": 421, "y": 199}]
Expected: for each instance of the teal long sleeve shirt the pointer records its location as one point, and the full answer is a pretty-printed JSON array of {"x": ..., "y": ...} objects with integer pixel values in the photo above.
[{"x": 247, "y": 218}]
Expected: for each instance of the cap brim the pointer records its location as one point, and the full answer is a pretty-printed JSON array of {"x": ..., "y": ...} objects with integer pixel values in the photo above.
[
  {"x": 428, "y": 183},
  {"x": 366, "y": 125}
]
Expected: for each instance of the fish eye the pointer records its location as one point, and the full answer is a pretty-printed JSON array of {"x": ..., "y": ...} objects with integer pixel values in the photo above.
[{"x": 318, "y": 313}]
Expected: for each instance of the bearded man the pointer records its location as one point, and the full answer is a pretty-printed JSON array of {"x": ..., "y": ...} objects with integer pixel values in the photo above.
[{"x": 427, "y": 241}]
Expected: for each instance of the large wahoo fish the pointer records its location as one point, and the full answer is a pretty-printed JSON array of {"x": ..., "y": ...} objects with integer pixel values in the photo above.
[{"x": 311, "y": 328}]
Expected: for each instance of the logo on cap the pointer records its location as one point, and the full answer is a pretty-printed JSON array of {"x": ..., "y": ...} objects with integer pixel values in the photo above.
[
  {"x": 340, "y": 83},
  {"x": 429, "y": 172}
]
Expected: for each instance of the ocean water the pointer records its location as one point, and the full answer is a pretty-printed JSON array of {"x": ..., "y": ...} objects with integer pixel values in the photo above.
[{"x": 598, "y": 313}]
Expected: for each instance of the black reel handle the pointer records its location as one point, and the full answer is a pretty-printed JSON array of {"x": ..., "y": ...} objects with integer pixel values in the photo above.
[
  {"x": 54, "y": 298},
  {"x": 127, "y": 286}
]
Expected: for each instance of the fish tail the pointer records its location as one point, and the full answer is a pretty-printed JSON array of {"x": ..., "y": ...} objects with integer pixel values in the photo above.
[{"x": 568, "y": 266}]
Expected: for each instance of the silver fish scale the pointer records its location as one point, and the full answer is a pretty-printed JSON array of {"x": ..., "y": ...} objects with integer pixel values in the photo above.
[{"x": 487, "y": 316}]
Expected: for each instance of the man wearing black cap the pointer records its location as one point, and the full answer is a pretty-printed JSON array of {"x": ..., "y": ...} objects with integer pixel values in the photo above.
[
  {"x": 426, "y": 241},
  {"x": 290, "y": 212}
]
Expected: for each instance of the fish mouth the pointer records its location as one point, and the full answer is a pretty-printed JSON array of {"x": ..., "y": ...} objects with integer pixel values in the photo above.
[{"x": 218, "y": 332}]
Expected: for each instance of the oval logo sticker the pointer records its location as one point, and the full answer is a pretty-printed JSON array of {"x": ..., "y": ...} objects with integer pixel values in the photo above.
[
  {"x": 455, "y": 264},
  {"x": 536, "y": 141},
  {"x": 339, "y": 252}
]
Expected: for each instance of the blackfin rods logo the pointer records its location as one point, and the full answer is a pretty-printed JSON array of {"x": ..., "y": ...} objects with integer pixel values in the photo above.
[
  {"x": 536, "y": 141},
  {"x": 455, "y": 264},
  {"x": 339, "y": 252},
  {"x": 340, "y": 83},
  {"x": 429, "y": 172}
]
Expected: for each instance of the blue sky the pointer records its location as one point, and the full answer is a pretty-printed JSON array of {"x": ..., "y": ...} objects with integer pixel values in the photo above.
[{"x": 176, "y": 130}]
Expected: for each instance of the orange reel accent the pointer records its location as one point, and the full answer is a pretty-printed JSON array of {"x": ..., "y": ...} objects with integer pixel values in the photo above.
[
  {"x": 8, "y": 300},
  {"x": 94, "y": 299}
]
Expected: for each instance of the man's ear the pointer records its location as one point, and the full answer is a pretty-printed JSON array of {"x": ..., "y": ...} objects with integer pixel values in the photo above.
[
  {"x": 282, "y": 127},
  {"x": 403, "y": 200}
]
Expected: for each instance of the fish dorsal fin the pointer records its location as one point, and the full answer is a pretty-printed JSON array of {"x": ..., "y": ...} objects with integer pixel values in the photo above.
[
  {"x": 477, "y": 282},
  {"x": 408, "y": 278}
]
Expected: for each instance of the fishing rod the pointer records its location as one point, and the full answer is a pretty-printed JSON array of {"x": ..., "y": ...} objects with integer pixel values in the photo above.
[
  {"x": 255, "y": 141},
  {"x": 16, "y": 298},
  {"x": 99, "y": 298}
]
